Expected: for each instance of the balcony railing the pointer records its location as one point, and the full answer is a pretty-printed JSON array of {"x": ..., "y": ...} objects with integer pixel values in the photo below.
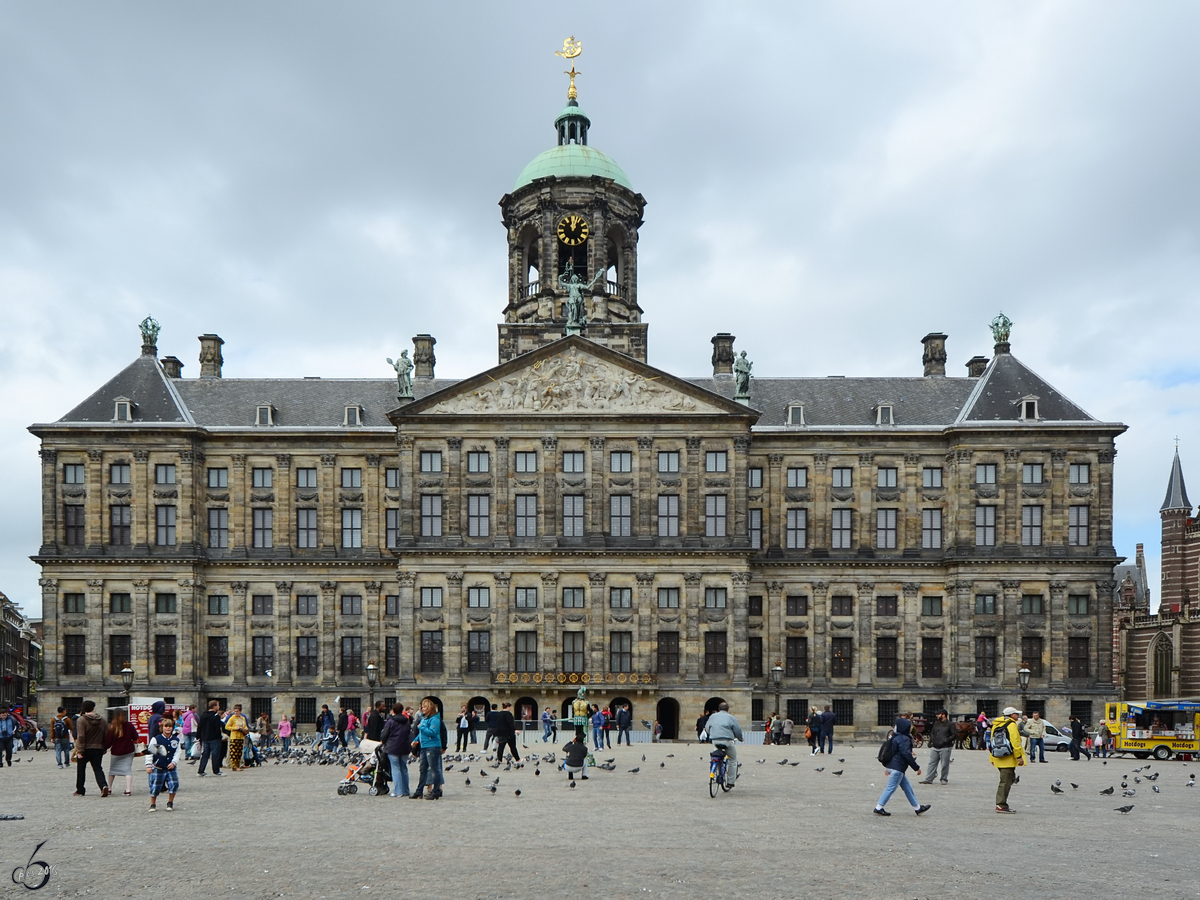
[
  {"x": 613, "y": 289},
  {"x": 531, "y": 289},
  {"x": 574, "y": 678}
]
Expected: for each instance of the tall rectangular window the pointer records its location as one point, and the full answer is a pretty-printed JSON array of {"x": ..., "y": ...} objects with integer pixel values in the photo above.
[
  {"x": 262, "y": 478},
  {"x": 479, "y": 509},
  {"x": 74, "y": 603},
  {"x": 351, "y": 604},
  {"x": 1031, "y": 655},
  {"x": 431, "y": 461},
  {"x": 754, "y": 657},
  {"x": 218, "y": 478},
  {"x": 526, "y": 651},
  {"x": 392, "y": 526},
  {"x": 667, "y": 652},
  {"x": 164, "y": 521},
  {"x": 262, "y": 604},
  {"x": 795, "y": 605},
  {"x": 841, "y": 532},
  {"x": 797, "y": 529},
  {"x": 73, "y": 524},
  {"x": 931, "y": 529},
  {"x": 620, "y": 651},
  {"x": 668, "y": 598},
  {"x": 573, "y": 462},
  {"x": 985, "y": 526},
  {"x": 74, "y": 654},
  {"x": 120, "y": 652},
  {"x": 479, "y": 597},
  {"x": 843, "y": 477},
  {"x": 715, "y": 652},
  {"x": 754, "y": 478},
  {"x": 1031, "y": 473},
  {"x": 351, "y": 528},
  {"x": 1077, "y": 526},
  {"x": 931, "y": 606},
  {"x": 886, "y": 605},
  {"x": 1031, "y": 605},
  {"x": 620, "y": 515},
  {"x": 479, "y": 651},
  {"x": 306, "y": 604},
  {"x": 620, "y": 598},
  {"x": 118, "y": 473},
  {"x": 885, "y": 657},
  {"x": 525, "y": 597},
  {"x": 525, "y": 462},
  {"x": 796, "y": 657},
  {"x": 306, "y": 710},
  {"x": 166, "y": 603},
  {"x": 931, "y": 657},
  {"x": 479, "y": 461},
  {"x": 431, "y": 515},
  {"x": 120, "y": 602},
  {"x": 885, "y": 529},
  {"x": 218, "y": 656},
  {"x": 431, "y": 597},
  {"x": 120, "y": 519},
  {"x": 714, "y": 515},
  {"x": 716, "y": 461},
  {"x": 391, "y": 605},
  {"x": 262, "y": 656},
  {"x": 886, "y": 477},
  {"x": 754, "y": 527},
  {"x": 572, "y": 598},
  {"x": 985, "y": 604},
  {"x": 306, "y": 656},
  {"x": 352, "y": 656},
  {"x": 306, "y": 529},
  {"x": 218, "y": 604},
  {"x": 887, "y": 712},
  {"x": 715, "y": 598},
  {"x": 306, "y": 477},
  {"x": 620, "y": 461},
  {"x": 572, "y": 651},
  {"x": 841, "y": 605},
  {"x": 797, "y": 477},
  {"x": 1080, "y": 473},
  {"x": 1031, "y": 526},
  {"x": 931, "y": 477},
  {"x": 391, "y": 479},
  {"x": 985, "y": 473},
  {"x": 985, "y": 657},
  {"x": 218, "y": 529},
  {"x": 526, "y": 515},
  {"x": 668, "y": 462},
  {"x": 264, "y": 528},
  {"x": 1077, "y": 605},
  {"x": 351, "y": 478},
  {"x": 391, "y": 657},
  {"x": 668, "y": 515},
  {"x": 841, "y": 662},
  {"x": 73, "y": 473},
  {"x": 1078, "y": 654},
  {"x": 572, "y": 507}
]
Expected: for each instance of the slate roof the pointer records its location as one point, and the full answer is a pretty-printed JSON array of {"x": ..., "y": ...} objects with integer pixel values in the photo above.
[
  {"x": 1177, "y": 497},
  {"x": 142, "y": 381},
  {"x": 1005, "y": 383}
]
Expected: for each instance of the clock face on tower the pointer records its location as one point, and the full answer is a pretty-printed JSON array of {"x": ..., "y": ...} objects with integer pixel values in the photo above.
[{"x": 573, "y": 230}]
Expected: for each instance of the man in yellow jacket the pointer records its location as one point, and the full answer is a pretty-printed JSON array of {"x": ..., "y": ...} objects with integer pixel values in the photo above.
[{"x": 1005, "y": 727}]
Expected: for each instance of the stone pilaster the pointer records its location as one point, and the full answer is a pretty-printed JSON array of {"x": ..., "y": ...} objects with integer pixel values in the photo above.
[
  {"x": 911, "y": 618},
  {"x": 190, "y": 605},
  {"x": 550, "y": 511},
  {"x": 330, "y": 656},
  {"x": 597, "y": 496},
  {"x": 738, "y": 528},
  {"x": 142, "y": 617},
  {"x": 408, "y": 623},
  {"x": 95, "y": 622},
  {"x": 502, "y": 655},
  {"x": 96, "y": 504},
  {"x": 141, "y": 481},
  {"x": 52, "y": 531},
  {"x": 373, "y": 624},
  {"x": 819, "y": 651},
  {"x": 690, "y": 607},
  {"x": 597, "y": 615},
  {"x": 239, "y": 639},
  {"x": 550, "y": 619},
  {"x": 52, "y": 651},
  {"x": 644, "y": 497},
  {"x": 864, "y": 607},
  {"x": 691, "y": 519},
  {"x": 453, "y": 643},
  {"x": 501, "y": 536},
  {"x": 455, "y": 519},
  {"x": 741, "y": 627},
  {"x": 1058, "y": 636},
  {"x": 776, "y": 505},
  {"x": 285, "y": 642},
  {"x": 644, "y": 641}
]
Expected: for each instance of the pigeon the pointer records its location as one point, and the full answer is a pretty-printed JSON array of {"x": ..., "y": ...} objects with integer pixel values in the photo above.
[
  {"x": 1154, "y": 787},
  {"x": 1123, "y": 810},
  {"x": 670, "y": 755},
  {"x": 782, "y": 762},
  {"x": 841, "y": 759},
  {"x": 1136, "y": 780},
  {"x": 614, "y": 759},
  {"x": 482, "y": 773},
  {"x": 497, "y": 780},
  {"x": 1074, "y": 786},
  {"x": 571, "y": 785},
  {"x": 646, "y": 724},
  {"x": 492, "y": 788},
  {"x": 1108, "y": 791},
  {"x": 468, "y": 781},
  {"x": 1058, "y": 782},
  {"x": 1128, "y": 793},
  {"x": 796, "y": 763},
  {"x": 820, "y": 768},
  {"x": 636, "y": 769},
  {"x": 1055, "y": 789},
  {"x": 760, "y": 761},
  {"x": 838, "y": 772},
  {"x": 517, "y": 792},
  {"x": 1124, "y": 784},
  {"x": 662, "y": 765},
  {"x": 537, "y": 771},
  {"x": 643, "y": 757},
  {"x": 1138, "y": 769},
  {"x": 450, "y": 768},
  {"x": 1153, "y": 777}
]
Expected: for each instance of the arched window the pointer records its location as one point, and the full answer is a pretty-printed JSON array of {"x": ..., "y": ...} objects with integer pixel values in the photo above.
[{"x": 1163, "y": 663}]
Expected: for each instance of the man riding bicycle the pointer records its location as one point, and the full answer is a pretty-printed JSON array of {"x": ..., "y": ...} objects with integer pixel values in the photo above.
[{"x": 724, "y": 731}]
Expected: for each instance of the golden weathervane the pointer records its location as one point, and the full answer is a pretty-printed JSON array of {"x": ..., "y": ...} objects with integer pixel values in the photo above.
[{"x": 571, "y": 48}]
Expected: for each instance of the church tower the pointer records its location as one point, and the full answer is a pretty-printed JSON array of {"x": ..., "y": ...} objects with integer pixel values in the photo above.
[{"x": 572, "y": 217}]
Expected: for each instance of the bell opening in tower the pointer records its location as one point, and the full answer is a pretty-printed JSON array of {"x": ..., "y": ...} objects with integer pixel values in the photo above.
[{"x": 576, "y": 256}]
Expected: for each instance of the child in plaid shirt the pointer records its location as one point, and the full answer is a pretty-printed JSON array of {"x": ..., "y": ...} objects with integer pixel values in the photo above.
[{"x": 163, "y": 752}]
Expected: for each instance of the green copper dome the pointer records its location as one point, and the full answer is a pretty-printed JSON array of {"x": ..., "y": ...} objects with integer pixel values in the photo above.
[{"x": 572, "y": 161}]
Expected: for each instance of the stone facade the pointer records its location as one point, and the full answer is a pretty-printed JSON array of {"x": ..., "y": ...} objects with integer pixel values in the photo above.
[
  {"x": 575, "y": 515},
  {"x": 20, "y": 659}
]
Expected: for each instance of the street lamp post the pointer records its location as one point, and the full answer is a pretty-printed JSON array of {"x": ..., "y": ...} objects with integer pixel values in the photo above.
[
  {"x": 127, "y": 681},
  {"x": 372, "y": 677},
  {"x": 776, "y": 678},
  {"x": 1023, "y": 674}
]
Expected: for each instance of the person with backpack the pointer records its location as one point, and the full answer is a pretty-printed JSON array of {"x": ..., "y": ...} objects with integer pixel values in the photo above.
[
  {"x": 1006, "y": 754},
  {"x": 897, "y": 758},
  {"x": 60, "y": 731},
  {"x": 187, "y": 729}
]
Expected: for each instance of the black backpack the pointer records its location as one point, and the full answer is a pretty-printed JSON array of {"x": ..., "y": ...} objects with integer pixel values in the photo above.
[
  {"x": 886, "y": 751},
  {"x": 60, "y": 730}
]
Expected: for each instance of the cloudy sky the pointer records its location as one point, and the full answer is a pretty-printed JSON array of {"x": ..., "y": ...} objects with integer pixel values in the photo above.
[{"x": 317, "y": 182}]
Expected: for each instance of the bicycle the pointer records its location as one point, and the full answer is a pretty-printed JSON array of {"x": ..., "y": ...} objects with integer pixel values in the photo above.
[{"x": 718, "y": 762}]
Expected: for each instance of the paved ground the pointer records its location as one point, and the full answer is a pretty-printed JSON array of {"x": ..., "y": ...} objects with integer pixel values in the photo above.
[{"x": 282, "y": 831}]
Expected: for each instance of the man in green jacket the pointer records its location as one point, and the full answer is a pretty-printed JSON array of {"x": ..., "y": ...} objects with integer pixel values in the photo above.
[{"x": 1005, "y": 726}]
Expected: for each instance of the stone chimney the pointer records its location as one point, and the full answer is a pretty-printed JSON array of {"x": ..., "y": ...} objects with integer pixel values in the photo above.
[
  {"x": 423, "y": 358},
  {"x": 172, "y": 366},
  {"x": 976, "y": 366},
  {"x": 722, "y": 355},
  {"x": 210, "y": 356},
  {"x": 934, "y": 357}
]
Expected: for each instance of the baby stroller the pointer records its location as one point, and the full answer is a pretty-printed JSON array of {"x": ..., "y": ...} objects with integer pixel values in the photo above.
[{"x": 375, "y": 770}]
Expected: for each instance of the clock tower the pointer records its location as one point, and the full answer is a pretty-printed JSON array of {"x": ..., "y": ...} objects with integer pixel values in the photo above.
[{"x": 572, "y": 220}]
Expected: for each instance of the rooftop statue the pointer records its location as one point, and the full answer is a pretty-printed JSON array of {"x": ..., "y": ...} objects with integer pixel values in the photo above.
[
  {"x": 570, "y": 282},
  {"x": 741, "y": 373},
  {"x": 403, "y": 366},
  {"x": 1001, "y": 326},
  {"x": 150, "y": 329}
]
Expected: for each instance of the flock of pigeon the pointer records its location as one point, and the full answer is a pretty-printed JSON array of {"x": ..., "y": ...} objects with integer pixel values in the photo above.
[{"x": 1126, "y": 790}]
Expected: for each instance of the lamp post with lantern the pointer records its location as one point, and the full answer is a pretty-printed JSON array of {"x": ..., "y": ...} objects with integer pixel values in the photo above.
[
  {"x": 372, "y": 678},
  {"x": 127, "y": 683},
  {"x": 1023, "y": 674},
  {"x": 776, "y": 678}
]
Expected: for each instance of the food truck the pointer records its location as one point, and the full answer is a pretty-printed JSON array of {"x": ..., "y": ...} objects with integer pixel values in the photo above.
[
  {"x": 139, "y": 714},
  {"x": 1158, "y": 728}
]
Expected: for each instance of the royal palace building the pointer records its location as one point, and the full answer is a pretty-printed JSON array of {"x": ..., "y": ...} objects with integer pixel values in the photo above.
[{"x": 576, "y": 516}]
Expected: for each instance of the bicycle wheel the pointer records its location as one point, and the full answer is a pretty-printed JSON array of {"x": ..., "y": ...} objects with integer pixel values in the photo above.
[{"x": 712, "y": 782}]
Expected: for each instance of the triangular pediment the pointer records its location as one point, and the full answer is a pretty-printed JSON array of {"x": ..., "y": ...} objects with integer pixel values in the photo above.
[{"x": 574, "y": 376}]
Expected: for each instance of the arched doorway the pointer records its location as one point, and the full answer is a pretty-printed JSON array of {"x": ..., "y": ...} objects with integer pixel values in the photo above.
[
  {"x": 1164, "y": 662},
  {"x": 667, "y": 713},
  {"x": 712, "y": 704},
  {"x": 479, "y": 706},
  {"x": 437, "y": 701},
  {"x": 616, "y": 703},
  {"x": 525, "y": 711}
]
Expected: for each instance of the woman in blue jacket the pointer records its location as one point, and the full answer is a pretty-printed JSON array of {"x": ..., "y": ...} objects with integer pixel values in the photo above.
[
  {"x": 430, "y": 737},
  {"x": 902, "y": 760}
]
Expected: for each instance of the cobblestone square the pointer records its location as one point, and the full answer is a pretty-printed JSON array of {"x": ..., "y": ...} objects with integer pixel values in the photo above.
[{"x": 785, "y": 831}]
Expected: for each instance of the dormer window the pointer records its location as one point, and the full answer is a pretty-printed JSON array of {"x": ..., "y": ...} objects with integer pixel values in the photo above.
[
  {"x": 1029, "y": 409},
  {"x": 265, "y": 415},
  {"x": 795, "y": 414},
  {"x": 123, "y": 410},
  {"x": 884, "y": 415},
  {"x": 353, "y": 415}
]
